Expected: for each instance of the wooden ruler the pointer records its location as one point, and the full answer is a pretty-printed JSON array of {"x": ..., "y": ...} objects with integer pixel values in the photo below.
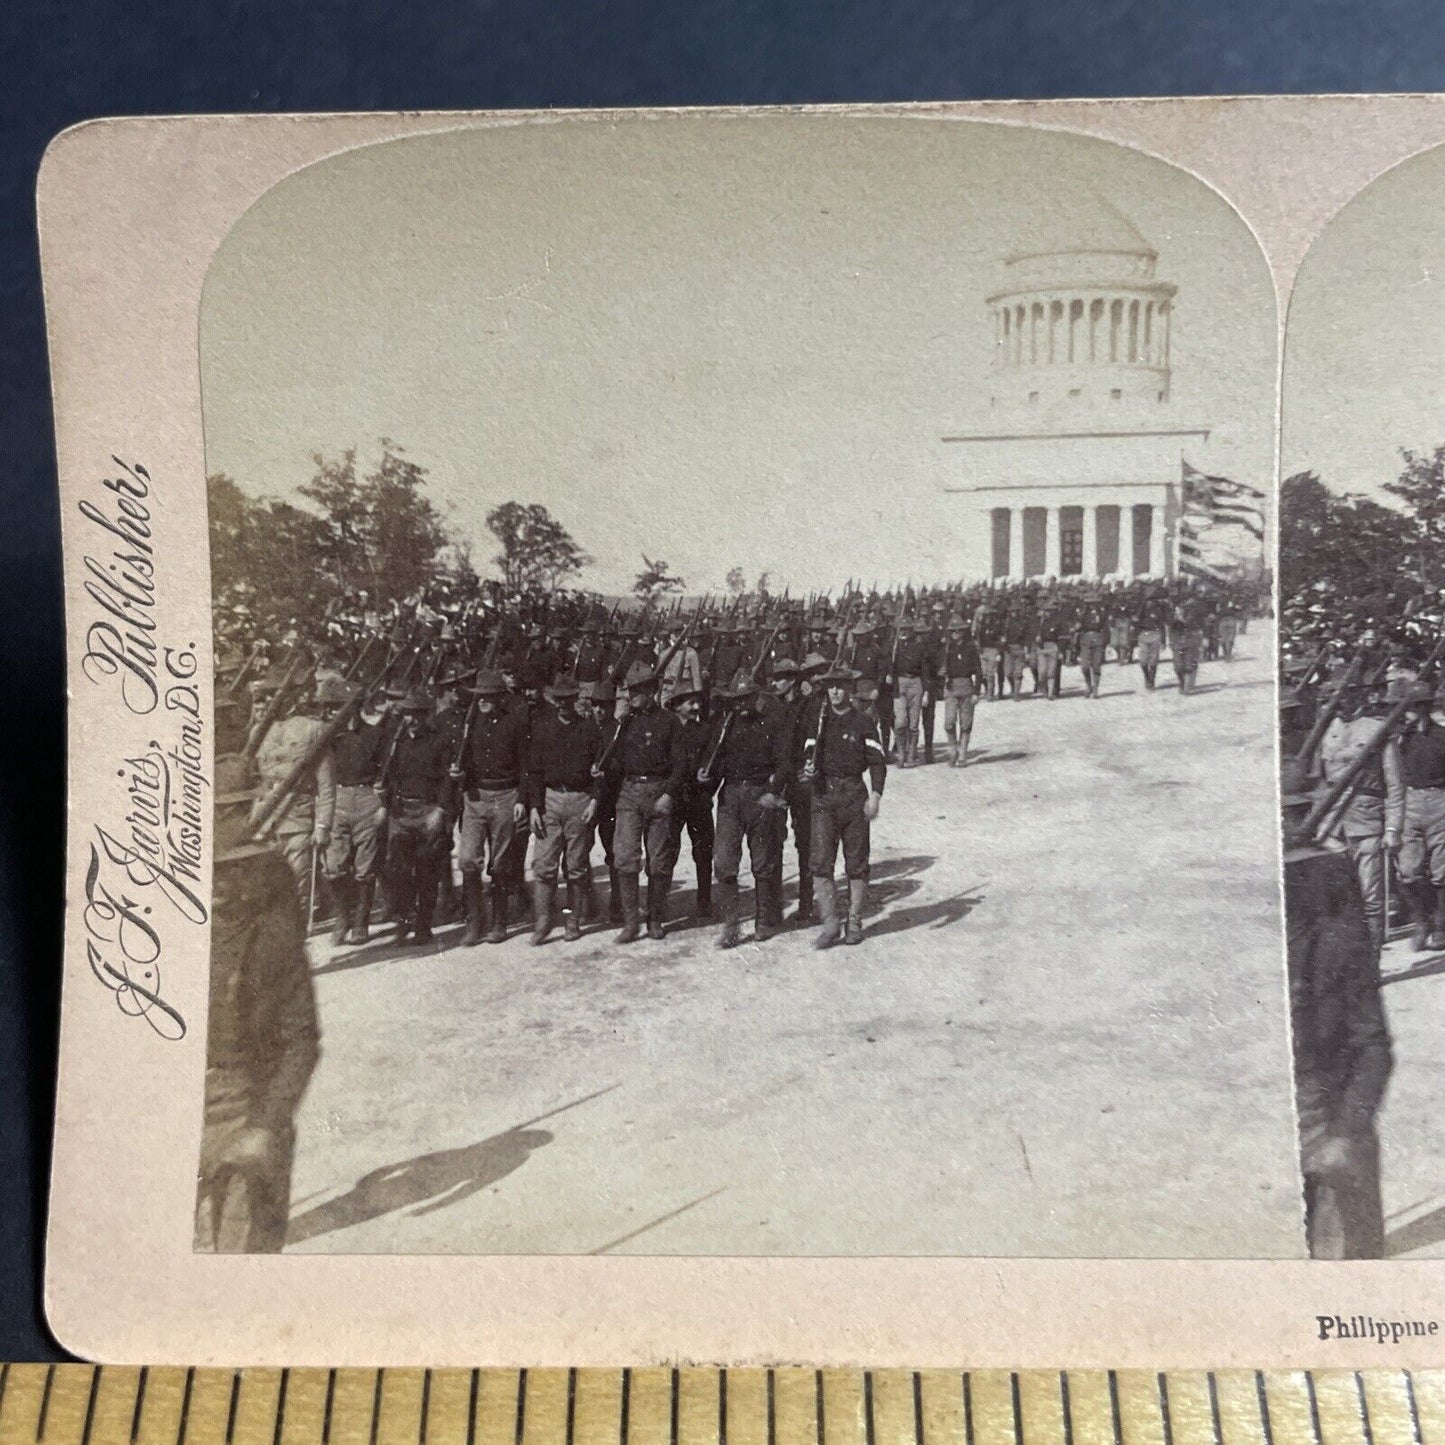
[{"x": 112, "y": 1405}]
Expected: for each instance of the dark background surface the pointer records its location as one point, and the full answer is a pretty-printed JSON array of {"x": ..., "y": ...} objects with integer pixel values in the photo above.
[{"x": 66, "y": 62}]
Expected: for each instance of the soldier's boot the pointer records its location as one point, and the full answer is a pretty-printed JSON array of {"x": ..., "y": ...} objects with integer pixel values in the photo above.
[
  {"x": 474, "y": 901},
  {"x": 543, "y": 896},
  {"x": 361, "y": 916},
  {"x": 857, "y": 897},
  {"x": 1437, "y": 931},
  {"x": 764, "y": 926},
  {"x": 960, "y": 759},
  {"x": 614, "y": 898},
  {"x": 426, "y": 900},
  {"x": 658, "y": 887},
  {"x": 576, "y": 896},
  {"x": 702, "y": 907},
  {"x": 806, "y": 912},
  {"x": 496, "y": 896},
  {"x": 402, "y": 895},
  {"x": 625, "y": 889},
  {"x": 1375, "y": 925},
  {"x": 831, "y": 930},
  {"x": 1418, "y": 898},
  {"x": 727, "y": 904},
  {"x": 588, "y": 900},
  {"x": 343, "y": 899}
]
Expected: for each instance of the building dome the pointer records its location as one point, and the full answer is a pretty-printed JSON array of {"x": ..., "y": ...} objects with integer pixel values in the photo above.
[{"x": 1080, "y": 320}]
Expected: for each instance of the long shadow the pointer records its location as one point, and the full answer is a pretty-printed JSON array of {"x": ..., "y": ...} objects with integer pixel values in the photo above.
[
  {"x": 431, "y": 1181},
  {"x": 939, "y": 914},
  {"x": 386, "y": 949},
  {"x": 1418, "y": 1234},
  {"x": 427, "y": 1183},
  {"x": 905, "y": 867},
  {"x": 1426, "y": 968},
  {"x": 977, "y": 757}
]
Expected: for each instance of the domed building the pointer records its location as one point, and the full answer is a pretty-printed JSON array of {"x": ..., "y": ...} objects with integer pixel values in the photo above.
[{"x": 1078, "y": 473}]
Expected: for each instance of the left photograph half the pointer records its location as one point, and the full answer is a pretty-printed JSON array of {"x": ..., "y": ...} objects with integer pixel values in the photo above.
[{"x": 743, "y": 676}]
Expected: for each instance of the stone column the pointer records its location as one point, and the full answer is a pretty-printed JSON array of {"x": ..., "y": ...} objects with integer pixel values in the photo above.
[
  {"x": 1015, "y": 541},
  {"x": 1091, "y": 542},
  {"x": 1053, "y": 553},
  {"x": 1156, "y": 541},
  {"x": 1126, "y": 538}
]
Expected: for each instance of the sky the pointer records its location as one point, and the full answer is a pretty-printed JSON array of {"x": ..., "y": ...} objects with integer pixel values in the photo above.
[
  {"x": 1364, "y": 372},
  {"x": 717, "y": 340}
]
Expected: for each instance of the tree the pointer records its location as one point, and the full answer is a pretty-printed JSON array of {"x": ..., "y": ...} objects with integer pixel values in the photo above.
[
  {"x": 1349, "y": 545},
  {"x": 537, "y": 550},
  {"x": 737, "y": 582},
  {"x": 382, "y": 533},
  {"x": 655, "y": 580}
]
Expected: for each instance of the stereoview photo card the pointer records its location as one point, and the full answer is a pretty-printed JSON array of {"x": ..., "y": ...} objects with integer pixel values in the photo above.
[{"x": 676, "y": 734}]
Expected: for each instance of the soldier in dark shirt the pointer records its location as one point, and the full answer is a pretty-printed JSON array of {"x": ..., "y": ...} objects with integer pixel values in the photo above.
[
  {"x": 1186, "y": 641},
  {"x": 693, "y": 805},
  {"x": 354, "y": 844},
  {"x": 963, "y": 676},
  {"x": 649, "y": 763},
  {"x": 913, "y": 660},
  {"x": 418, "y": 798},
  {"x": 1091, "y": 629},
  {"x": 1152, "y": 621},
  {"x": 726, "y": 658},
  {"x": 751, "y": 763},
  {"x": 589, "y": 664},
  {"x": 845, "y": 752},
  {"x": 1018, "y": 634},
  {"x": 561, "y": 797},
  {"x": 989, "y": 632},
  {"x": 489, "y": 775},
  {"x": 870, "y": 662},
  {"x": 1048, "y": 635},
  {"x": 606, "y": 707}
]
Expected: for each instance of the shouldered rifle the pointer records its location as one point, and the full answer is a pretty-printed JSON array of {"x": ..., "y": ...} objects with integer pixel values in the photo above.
[
  {"x": 245, "y": 672},
  {"x": 273, "y": 807},
  {"x": 487, "y": 660},
  {"x": 1329, "y": 712},
  {"x": 273, "y": 708}
]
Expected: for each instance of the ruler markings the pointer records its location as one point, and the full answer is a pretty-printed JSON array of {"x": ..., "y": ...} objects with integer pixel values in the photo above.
[
  {"x": 843, "y": 1421},
  {"x": 889, "y": 1413},
  {"x": 1386, "y": 1407},
  {"x": 698, "y": 1408},
  {"x": 693, "y": 1405}
]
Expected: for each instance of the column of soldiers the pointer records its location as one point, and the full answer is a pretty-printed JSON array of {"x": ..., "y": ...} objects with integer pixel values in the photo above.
[{"x": 444, "y": 746}]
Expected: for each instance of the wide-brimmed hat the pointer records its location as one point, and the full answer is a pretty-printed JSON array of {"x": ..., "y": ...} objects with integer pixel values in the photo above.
[
  {"x": 639, "y": 676},
  {"x": 785, "y": 667},
  {"x": 334, "y": 692},
  {"x": 837, "y": 677},
  {"x": 604, "y": 691},
  {"x": 743, "y": 685},
  {"x": 813, "y": 664},
  {"x": 455, "y": 680},
  {"x": 418, "y": 699},
  {"x": 563, "y": 688},
  {"x": 689, "y": 694},
  {"x": 489, "y": 683},
  {"x": 955, "y": 622}
]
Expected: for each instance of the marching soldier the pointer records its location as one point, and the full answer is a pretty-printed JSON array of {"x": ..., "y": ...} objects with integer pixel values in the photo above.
[
  {"x": 306, "y": 827},
  {"x": 416, "y": 779},
  {"x": 912, "y": 659},
  {"x": 1090, "y": 629},
  {"x": 357, "y": 819},
  {"x": 649, "y": 763},
  {"x": 1047, "y": 634},
  {"x": 1371, "y": 821},
  {"x": 683, "y": 672},
  {"x": 751, "y": 761},
  {"x": 562, "y": 791},
  {"x": 693, "y": 809},
  {"x": 963, "y": 676},
  {"x": 1017, "y": 634},
  {"x": 610, "y": 711},
  {"x": 488, "y": 765},
  {"x": 1186, "y": 642},
  {"x": 846, "y": 763},
  {"x": 1422, "y": 849},
  {"x": 1153, "y": 619}
]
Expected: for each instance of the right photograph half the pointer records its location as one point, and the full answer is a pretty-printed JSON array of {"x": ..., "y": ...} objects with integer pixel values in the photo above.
[{"x": 1362, "y": 721}]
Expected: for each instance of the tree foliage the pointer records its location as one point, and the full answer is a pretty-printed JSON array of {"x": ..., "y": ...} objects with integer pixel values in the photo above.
[
  {"x": 655, "y": 580},
  {"x": 537, "y": 550},
  {"x": 1348, "y": 545}
]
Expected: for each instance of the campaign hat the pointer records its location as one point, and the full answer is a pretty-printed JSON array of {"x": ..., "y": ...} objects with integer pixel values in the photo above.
[
  {"x": 489, "y": 683},
  {"x": 837, "y": 676},
  {"x": 785, "y": 667},
  {"x": 334, "y": 692},
  {"x": 563, "y": 688},
  {"x": 689, "y": 694},
  {"x": 813, "y": 664},
  {"x": 639, "y": 676},
  {"x": 417, "y": 699}
]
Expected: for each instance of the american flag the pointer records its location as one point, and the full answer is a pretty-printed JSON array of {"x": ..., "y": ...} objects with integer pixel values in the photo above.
[{"x": 1218, "y": 501}]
